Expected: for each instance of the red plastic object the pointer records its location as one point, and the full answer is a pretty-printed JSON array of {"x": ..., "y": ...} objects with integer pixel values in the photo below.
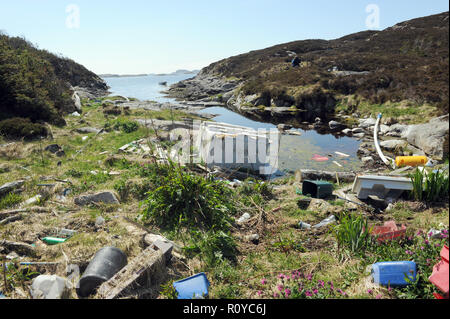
[
  {"x": 388, "y": 231},
  {"x": 319, "y": 158},
  {"x": 439, "y": 278}
]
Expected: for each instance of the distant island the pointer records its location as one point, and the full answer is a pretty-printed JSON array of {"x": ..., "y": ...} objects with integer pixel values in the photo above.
[{"x": 154, "y": 74}]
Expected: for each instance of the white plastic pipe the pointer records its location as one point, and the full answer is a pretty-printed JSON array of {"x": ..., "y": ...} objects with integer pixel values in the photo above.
[{"x": 377, "y": 146}]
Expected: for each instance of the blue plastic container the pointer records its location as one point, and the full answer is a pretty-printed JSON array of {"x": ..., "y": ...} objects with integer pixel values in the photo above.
[
  {"x": 393, "y": 273},
  {"x": 195, "y": 287}
]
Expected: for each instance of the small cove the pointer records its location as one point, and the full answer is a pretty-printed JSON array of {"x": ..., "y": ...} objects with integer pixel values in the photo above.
[{"x": 296, "y": 152}]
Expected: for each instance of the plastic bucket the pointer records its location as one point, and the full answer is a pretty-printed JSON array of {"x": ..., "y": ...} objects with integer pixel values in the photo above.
[{"x": 105, "y": 264}]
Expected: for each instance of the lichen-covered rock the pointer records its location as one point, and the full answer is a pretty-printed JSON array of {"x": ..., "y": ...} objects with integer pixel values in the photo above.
[{"x": 103, "y": 197}]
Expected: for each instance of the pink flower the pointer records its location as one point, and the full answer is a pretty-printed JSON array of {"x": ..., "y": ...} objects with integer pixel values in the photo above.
[
  {"x": 275, "y": 295},
  {"x": 263, "y": 281},
  {"x": 378, "y": 297},
  {"x": 315, "y": 291},
  {"x": 280, "y": 288},
  {"x": 370, "y": 291},
  {"x": 308, "y": 293},
  {"x": 287, "y": 293},
  {"x": 259, "y": 293},
  {"x": 309, "y": 277}
]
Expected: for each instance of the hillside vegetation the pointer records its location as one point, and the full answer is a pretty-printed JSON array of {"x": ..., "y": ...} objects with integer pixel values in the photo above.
[
  {"x": 406, "y": 62},
  {"x": 36, "y": 84}
]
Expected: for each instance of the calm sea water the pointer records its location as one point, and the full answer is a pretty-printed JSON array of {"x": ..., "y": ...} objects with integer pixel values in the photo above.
[
  {"x": 296, "y": 152},
  {"x": 145, "y": 87}
]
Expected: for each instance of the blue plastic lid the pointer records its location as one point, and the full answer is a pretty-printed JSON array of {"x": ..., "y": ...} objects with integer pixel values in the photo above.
[{"x": 195, "y": 287}]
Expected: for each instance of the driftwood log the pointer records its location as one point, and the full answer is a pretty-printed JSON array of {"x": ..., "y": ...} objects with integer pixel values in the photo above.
[{"x": 8, "y": 213}]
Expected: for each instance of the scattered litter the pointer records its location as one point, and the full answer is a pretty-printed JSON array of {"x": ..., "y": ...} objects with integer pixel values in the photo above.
[
  {"x": 49, "y": 287},
  {"x": 243, "y": 218},
  {"x": 65, "y": 233},
  {"x": 195, "y": 287},
  {"x": 319, "y": 158},
  {"x": 342, "y": 154},
  {"x": 317, "y": 189},
  {"x": 337, "y": 164},
  {"x": 33, "y": 200},
  {"x": 75, "y": 114},
  {"x": 440, "y": 275},
  {"x": 84, "y": 138},
  {"x": 392, "y": 273},
  {"x": 381, "y": 186},
  {"x": 435, "y": 234},
  {"x": 388, "y": 231},
  {"x": 253, "y": 238},
  {"x": 326, "y": 222},
  {"x": 105, "y": 264},
  {"x": 54, "y": 240},
  {"x": 146, "y": 270},
  {"x": 412, "y": 161},
  {"x": 31, "y": 263},
  {"x": 13, "y": 255},
  {"x": 303, "y": 225}
]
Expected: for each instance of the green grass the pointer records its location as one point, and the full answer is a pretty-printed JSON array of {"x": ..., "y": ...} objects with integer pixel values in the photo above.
[{"x": 10, "y": 200}]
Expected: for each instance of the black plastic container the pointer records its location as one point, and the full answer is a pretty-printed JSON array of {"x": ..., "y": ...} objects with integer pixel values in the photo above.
[
  {"x": 317, "y": 189},
  {"x": 105, "y": 264}
]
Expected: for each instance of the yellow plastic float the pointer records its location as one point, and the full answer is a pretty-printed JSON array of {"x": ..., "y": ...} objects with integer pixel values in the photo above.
[{"x": 413, "y": 161}]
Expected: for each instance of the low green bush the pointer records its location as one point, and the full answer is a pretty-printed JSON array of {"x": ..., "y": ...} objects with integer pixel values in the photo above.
[
  {"x": 18, "y": 128},
  {"x": 183, "y": 200}
]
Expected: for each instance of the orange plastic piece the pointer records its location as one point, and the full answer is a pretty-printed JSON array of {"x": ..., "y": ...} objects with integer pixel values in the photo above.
[
  {"x": 388, "y": 231},
  {"x": 440, "y": 274}
]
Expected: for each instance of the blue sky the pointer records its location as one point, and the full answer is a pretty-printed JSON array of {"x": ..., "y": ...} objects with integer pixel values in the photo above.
[{"x": 146, "y": 36}]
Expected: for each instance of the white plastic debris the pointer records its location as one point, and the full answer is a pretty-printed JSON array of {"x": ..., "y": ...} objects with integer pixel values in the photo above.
[
  {"x": 84, "y": 138},
  {"x": 326, "y": 222},
  {"x": 303, "y": 225},
  {"x": 434, "y": 234},
  {"x": 32, "y": 200},
  {"x": 49, "y": 287},
  {"x": 244, "y": 218},
  {"x": 253, "y": 237},
  {"x": 75, "y": 114}
]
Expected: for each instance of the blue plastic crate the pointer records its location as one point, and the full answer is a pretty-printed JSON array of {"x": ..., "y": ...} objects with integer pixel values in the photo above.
[
  {"x": 195, "y": 287},
  {"x": 392, "y": 273}
]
